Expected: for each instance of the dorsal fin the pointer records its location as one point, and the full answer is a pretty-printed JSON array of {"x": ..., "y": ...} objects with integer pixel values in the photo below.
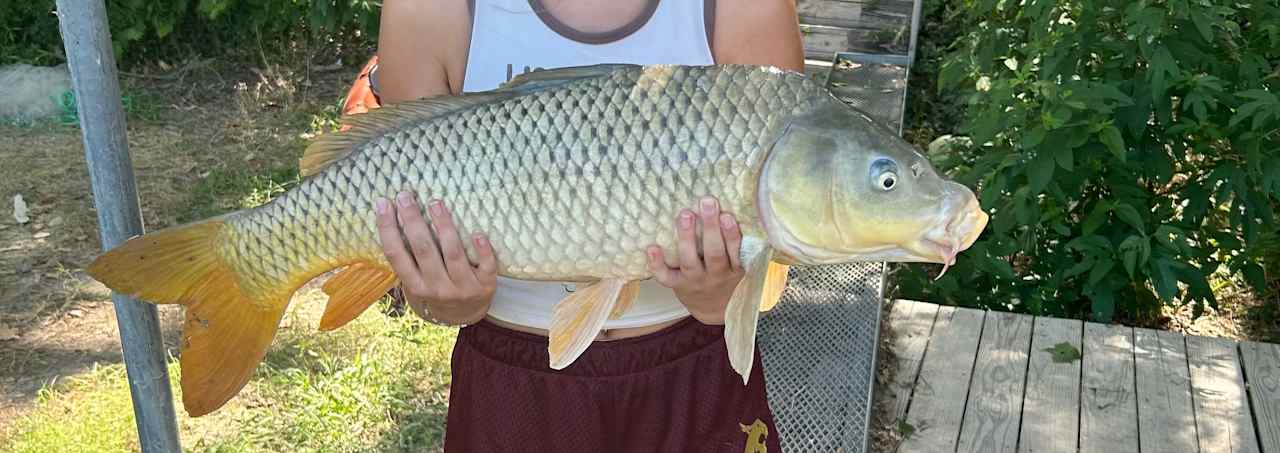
[
  {"x": 330, "y": 148},
  {"x": 538, "y": 79}
]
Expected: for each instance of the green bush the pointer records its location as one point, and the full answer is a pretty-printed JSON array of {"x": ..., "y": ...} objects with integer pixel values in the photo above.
[
  {"x": 929, "y": 115},
  {"x": 142, "y": 29},
  {"x": 1127, "y": 151}
]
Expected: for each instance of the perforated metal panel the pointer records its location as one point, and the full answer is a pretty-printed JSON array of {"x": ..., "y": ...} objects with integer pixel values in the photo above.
[
  {"x": 818, "y": 345},
  {"x": 879, "y": 89},
  {"x": 818, "y": 349}
]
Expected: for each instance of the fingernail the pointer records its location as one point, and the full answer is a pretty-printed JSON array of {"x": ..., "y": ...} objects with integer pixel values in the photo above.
[
  {"x": 726, "y": 221},
  {"x": 708, "y": 205},
  {"x": 481, "y": 241},
  {"x": 381, "y": 206},
  {"x": 404, "y": 199},
  {"x": 437, "y": 208},
  {"x": 686, "y": 219}
]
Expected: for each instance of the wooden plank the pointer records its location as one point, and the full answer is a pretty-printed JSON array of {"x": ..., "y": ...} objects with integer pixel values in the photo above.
[
  {"x": 937, "y": 403},
  {"x": 1109, "y": 410},
  {"x": 1223, "y": 420},
  {"x": 829, "y": 12},
  {"x": 1166, "y": 418},
  {"x": 822, "y": 42},
  {"x": 1051, "y": 408},
  {"x": 868, "y": 14},
  {"x": 1262, "y": 372},
  {"x": 910, "y": 323},
  {"x": 994, "y": 408}
]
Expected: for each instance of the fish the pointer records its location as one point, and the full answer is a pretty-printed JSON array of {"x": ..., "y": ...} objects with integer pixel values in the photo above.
[{"x": 572, "y": 173}]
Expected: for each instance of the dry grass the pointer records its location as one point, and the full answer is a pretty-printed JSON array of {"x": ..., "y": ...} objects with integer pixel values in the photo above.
[{"x": 222, "y": 136}]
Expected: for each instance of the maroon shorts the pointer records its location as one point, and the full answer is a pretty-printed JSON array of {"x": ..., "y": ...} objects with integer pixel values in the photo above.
[{"x": 670, "y": 391}]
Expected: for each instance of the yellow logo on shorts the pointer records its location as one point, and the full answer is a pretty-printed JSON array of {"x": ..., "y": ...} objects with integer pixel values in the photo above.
[{"x": 756, "y": 432}]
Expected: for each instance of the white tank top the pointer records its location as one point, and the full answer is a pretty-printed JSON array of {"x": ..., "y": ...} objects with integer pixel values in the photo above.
[{"x": 513, "y": 36}]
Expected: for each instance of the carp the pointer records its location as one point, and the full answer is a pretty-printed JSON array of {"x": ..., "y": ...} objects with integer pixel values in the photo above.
[{"x": 572, "y": 174}]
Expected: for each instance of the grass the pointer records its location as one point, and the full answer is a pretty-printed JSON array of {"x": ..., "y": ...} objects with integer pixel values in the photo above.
[
  {"x": 378, "y": 384},
  {"x": 228, "y": 190}
]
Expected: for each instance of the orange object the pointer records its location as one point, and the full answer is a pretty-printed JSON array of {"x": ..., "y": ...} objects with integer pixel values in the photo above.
[{"x": 360, "y": 98}]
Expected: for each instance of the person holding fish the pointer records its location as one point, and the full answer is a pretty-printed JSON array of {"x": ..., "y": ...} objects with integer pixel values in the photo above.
[
  {"x": 658, "y": 377},
  {"x": 516, "y": 172}
]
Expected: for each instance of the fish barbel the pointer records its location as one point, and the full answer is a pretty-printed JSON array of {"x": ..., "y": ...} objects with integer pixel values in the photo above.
[{"x": 572, "y": 173}]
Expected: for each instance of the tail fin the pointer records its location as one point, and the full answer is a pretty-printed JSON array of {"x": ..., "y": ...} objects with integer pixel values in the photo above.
[{"x": 226, "y": 332}]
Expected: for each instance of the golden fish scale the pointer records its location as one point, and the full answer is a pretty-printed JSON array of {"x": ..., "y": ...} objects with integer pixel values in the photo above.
[{"x": 569, "y": 183}]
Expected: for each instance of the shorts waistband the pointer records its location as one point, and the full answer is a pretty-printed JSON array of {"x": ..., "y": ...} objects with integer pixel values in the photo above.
[{"x": 604, "y": 358}]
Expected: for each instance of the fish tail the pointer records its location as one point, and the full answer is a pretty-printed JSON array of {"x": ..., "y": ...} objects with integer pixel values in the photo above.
[{"x": 226, "y": 332}]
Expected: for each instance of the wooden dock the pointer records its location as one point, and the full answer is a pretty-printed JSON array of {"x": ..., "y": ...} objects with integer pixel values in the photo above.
[{"x": 978, "y": 381}]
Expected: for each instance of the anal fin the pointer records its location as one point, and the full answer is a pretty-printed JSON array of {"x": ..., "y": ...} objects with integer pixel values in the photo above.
[
  {"x": 578, "y": 318},
  {"x": 352, "y": 291},
  {"x": 743, "y": 312},
  {"x": 775, "y": 281}
]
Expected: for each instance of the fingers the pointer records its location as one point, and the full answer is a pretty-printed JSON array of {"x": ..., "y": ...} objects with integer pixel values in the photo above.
[
  {"x": 487, "y": 263},
  {"x": 713, "y": 245},
  {"x": 420, "y": 240},
  {"x": 393, "y": 245},
  {"x": 451, "y": 248},
  {"x": 732, "y": 240},
  {"x": 687, "y": 245},
  {"x": 658, "y": 267}
]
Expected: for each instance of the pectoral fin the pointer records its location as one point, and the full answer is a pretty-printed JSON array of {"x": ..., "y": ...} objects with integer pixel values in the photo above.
[
  {"x": 625, "y": 298},
  {"x": 743, "y": 312},
  {"x": 775, "y": 281},
  {"x": 578, "y": 318},
  {"x": 352, "y": 291}
]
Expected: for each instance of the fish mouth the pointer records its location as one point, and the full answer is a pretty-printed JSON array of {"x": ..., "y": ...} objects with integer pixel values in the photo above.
[{"x": 957, "y": 234}]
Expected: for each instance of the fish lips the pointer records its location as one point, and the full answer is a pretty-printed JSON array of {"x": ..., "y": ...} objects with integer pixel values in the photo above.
[{"x": 956, "y": 234}]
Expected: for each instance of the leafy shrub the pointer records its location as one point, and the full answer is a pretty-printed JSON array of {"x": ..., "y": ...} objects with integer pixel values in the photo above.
[
  {"x": 929, "y": 115},
  {"x": 1126, "y": 150},
  {"x": 142, "y": 29}
]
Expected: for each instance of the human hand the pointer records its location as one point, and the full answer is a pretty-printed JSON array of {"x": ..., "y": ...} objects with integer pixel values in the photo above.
[
  {"x": 439, "y": 282},
  {"x": 703, "y": 284}
]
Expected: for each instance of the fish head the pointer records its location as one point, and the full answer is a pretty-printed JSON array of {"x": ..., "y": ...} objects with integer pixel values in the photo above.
[{"x": 838, "y": 187}]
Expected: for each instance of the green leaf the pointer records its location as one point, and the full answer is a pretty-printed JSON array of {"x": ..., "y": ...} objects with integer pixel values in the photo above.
[
  {"x": 1079, "y": 268},
  {"x": 1163, "y": 279},
  {"x": 1002, "y": 268},
  {"x": 1033, "y": 137},
  {"x": 1111, "y": 137},
  {"x": 133, "y": 33},
  {"x": 1064, "y": 353},
  {"x": 1163, "y": 68},
  {"x": 1102, "y": 304},
  {"x": 1203, "y": 25},
  {"x": 1255, "y": 276},
  {"x": 1065, "y": 158},
  {"x": 1096, "y": 217},
  {"x": 905, "y": 428},
  {"x": 1040, "y": 172},
  {"x": 1130, "y": 215},
  {"x": 1100, "y": 271},
  {"x": 1134, "y": 250}
]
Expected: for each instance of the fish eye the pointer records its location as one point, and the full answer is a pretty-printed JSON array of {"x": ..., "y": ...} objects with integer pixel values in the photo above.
[
  {"x": 885, "y": 174},
  {"x": 888, "y": 180}
]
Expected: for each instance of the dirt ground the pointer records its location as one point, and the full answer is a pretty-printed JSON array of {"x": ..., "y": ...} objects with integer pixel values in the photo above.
[{"x": 186, "y": 123}]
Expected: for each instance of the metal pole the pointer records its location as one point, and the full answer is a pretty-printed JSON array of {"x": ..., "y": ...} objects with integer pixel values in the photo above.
[{"x": 93, "y": 74}]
